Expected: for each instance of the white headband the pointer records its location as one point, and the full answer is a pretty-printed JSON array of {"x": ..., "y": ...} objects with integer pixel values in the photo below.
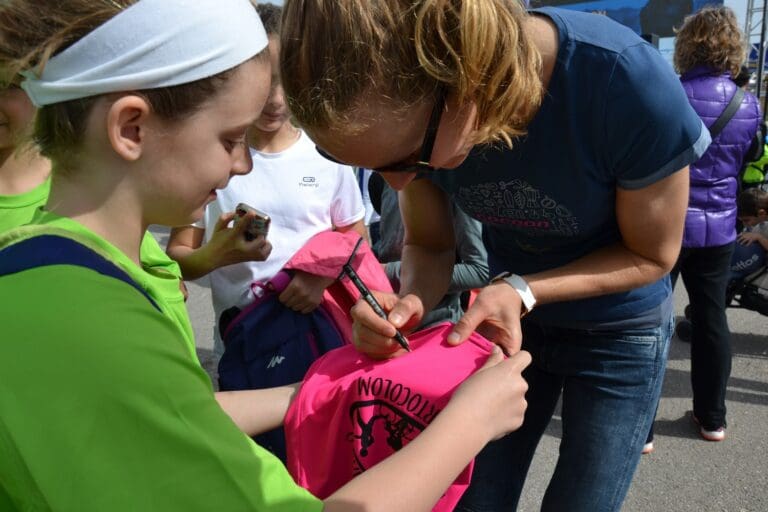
[{"x": 151, "y": 44}]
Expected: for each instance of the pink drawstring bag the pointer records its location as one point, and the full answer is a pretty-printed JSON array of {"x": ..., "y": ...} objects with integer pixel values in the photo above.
[
  {"x": 353, "y": 411},
  {"x": 324, "y": 255}
]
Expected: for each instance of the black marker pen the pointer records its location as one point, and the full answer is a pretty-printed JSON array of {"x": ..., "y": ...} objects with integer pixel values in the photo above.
[{"x": 371, "y": 300}]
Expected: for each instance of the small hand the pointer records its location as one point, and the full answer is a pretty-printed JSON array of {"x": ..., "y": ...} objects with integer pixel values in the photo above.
[
  {"x": 496, "y": 315},
  {"x": 747, "y": 237},
  {"x": 305, "y": 291},
  {"x": 495, "y": 394},
  {"x": 373, "y": 335},
  {"x": 229, "y": 245}
]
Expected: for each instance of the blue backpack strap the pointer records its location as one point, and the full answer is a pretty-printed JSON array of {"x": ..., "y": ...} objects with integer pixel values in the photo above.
[{"x": 44, "y": 250}]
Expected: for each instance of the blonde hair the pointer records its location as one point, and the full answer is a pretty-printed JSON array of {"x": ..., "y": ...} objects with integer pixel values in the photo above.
[
  {"x": 31, "y": 33},
  {"x": 710, "y": 37},
  {"x": 333, "y": 52}
]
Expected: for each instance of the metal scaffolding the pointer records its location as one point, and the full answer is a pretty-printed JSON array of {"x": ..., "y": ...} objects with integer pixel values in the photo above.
[{"x": 754, "y": 28}]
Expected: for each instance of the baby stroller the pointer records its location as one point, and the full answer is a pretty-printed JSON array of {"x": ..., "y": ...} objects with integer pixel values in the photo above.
[{"x": 747, "y": 289}]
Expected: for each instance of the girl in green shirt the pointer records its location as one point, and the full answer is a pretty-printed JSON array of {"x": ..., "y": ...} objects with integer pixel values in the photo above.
[{"x": 24, "y": 174}]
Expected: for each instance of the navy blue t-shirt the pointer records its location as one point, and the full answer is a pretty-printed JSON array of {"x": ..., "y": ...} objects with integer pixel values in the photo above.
[{"x": 614, "y": 115}]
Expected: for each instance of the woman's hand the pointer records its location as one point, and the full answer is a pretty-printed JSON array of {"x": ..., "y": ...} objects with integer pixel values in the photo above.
[
  {"x": 496, "y": 315},
  {"x": 373, "y": 335},
  {"x": 305, "y": 291}
]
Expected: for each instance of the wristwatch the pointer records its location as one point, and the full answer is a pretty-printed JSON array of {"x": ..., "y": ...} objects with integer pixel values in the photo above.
[{"x": 521, "y": 287}]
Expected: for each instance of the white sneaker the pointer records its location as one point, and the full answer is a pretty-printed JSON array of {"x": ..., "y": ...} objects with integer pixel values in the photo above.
[
  {"x": 647, "y": 448},
  {"x": 710, "y": 435}
]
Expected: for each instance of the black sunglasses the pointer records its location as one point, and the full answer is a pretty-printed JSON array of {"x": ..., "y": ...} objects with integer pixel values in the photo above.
[{"x": 426, "y": 147}]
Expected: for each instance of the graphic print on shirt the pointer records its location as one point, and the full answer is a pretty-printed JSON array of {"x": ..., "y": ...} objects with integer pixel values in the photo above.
[
  {"x": 390, "y": 417},
  {"x": 518, "y": 205}
]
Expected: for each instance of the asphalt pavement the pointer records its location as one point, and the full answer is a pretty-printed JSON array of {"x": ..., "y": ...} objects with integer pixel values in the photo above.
[{"x": 684, "y": 473}]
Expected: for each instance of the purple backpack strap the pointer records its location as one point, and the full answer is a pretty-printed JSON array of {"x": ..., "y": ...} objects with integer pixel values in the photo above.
[
  {"x": 262, "y": 291},
  {"x": 46, "y": 250}
]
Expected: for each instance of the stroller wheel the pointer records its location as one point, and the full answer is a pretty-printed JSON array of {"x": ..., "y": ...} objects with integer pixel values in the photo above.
[
  {"x": 684, "y": 330},
  {"x": 687, "y": 312}
]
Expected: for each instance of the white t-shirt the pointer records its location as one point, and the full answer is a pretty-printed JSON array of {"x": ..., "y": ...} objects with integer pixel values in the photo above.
[
  {"x": 302, "y": 192},
  {"x": 761, "y": 228}
]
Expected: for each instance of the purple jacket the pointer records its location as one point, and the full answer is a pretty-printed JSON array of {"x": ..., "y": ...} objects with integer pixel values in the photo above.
[{"x": 711, "y": 218}]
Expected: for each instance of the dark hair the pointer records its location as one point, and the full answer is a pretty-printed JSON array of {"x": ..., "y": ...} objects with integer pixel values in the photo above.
[
  {"x": 270, "y": 15},
  {"x": 743, "y": 77},
  {"x": 30, "y": 34},
  {"x": 751, "y": 201}
]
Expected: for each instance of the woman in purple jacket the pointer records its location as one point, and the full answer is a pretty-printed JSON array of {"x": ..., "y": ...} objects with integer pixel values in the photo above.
[{"x": 708, "y": 52}]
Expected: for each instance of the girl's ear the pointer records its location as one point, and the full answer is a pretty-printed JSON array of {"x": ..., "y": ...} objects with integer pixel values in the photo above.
[{"x": 127, "y": 126}]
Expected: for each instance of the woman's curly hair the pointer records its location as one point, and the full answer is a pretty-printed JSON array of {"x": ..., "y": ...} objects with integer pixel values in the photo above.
[{"x": 710, "y": 37}]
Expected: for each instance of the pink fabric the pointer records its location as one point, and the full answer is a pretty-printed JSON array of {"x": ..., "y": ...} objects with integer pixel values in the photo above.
[
  {"x": 352, "y": 411},
  {"x": 324, "y": 255}
]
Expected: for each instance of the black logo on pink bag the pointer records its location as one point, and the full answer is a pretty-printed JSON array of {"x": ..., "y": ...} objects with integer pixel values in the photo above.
[{"x": 381, "y": 425}]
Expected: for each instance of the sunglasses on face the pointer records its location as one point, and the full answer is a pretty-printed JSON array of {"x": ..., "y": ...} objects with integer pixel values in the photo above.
[{"x": 427, "y": 146}]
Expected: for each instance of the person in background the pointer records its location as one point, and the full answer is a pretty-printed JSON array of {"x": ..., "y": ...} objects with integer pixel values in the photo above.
[
  {"x": 709, "y": 51},
  {"x": 540, "y": 125},
  {"x": 156, "y": 124},
  {"x": 24, "y": 173},
  {"x": 754, "y": 174},
  {"x": 25, "y": 181},
  {"x": 302, "y": 193},
  {"x": 372, "y": 218},
  {"x": 748, "y": 264},
  {"x": 743, "y": 77},
  {"x": 753, "y": 213},
  {"x": 470, "y": 271}
]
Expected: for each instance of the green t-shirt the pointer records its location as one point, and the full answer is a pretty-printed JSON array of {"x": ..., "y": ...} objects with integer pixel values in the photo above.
[
  {"x": 20, "y": 209},
  {"x": 102, "y": 407},
  {"x": 165, "y": 274}
]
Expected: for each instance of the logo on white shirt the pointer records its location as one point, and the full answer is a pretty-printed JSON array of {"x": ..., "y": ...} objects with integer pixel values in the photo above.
[{"x": 309, "y": 181}]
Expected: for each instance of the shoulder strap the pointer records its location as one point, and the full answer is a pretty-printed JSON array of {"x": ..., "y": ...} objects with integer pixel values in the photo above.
[
  {"x": 44, "y": 250},
  {"x": 728, "y": 113}
]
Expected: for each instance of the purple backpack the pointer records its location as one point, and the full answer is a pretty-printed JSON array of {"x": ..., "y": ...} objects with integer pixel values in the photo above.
[{"x": 267, "y": 344}]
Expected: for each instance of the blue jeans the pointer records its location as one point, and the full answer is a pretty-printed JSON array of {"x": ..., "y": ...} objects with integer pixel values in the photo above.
[{"x": 610, "y": 383}]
